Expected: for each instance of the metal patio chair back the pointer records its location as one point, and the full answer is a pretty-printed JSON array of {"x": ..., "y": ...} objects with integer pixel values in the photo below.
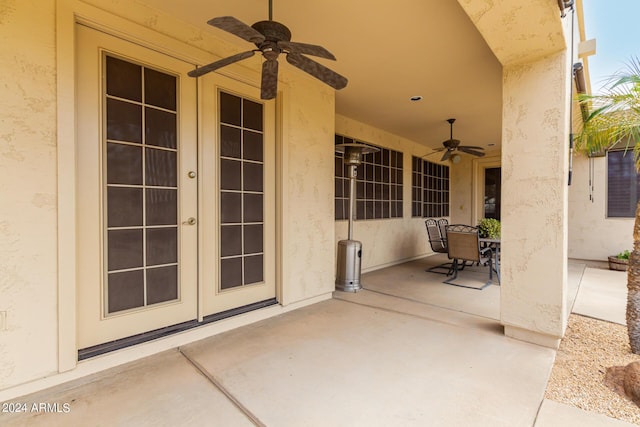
[
  {"x": 463, "y": 245},
  {"x": 437, "y": 235},
  {"x": 436, "y": 230}
]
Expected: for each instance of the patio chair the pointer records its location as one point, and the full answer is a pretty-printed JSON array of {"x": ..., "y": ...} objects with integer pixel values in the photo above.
[
  {"x": 436, "y": 230},
  {"x": 463, "y": 245}
]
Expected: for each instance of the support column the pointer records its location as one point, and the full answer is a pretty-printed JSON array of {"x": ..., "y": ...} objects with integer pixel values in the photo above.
[{"x": 535, "y": 125}]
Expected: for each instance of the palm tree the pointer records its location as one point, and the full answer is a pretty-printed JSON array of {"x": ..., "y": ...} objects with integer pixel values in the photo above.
[{"x": 615, "y": 117}]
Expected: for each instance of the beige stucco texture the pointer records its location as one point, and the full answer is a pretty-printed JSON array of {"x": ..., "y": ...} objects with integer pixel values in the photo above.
[
  {"x": 28, "y": 271},
  {"x": 535, "y": 119},
  {"x": 593, "y": 235}
]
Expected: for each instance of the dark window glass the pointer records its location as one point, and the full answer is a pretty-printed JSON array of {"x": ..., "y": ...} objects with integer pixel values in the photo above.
[
  {"x": 162, "y": 284},
  {"x": 124, "y": 121},
  {"x": 253, "y": 146},
  {"x": 230, "y": 174},
  {"x": 241, "y": 191},
  {"x": 230, "y": 240},
  {"x": 430, "y": 189},
  {"x": 160, "y": 128},
  {"x": 230, "y": 109},
  {"x": 253, "y": 235},
  {"x": 230, "y": 207},
  {"x": 142, "y": 231},
  {"x": 251, "y": 115},
  {"x": 124, "y": 249},
  {"x": 160, "y": 89},
  {"x": 125, "y": 290},
  {"x": 252, "y": 176},
  {"x": 623, "y": 184},
  {"x": 492, "y": 192},
  {"x": 230, "y": 142},
  {"x": 253, "y": 204},
  {"x": 162, "y": 245},
  {"x": 160, "y": 168},
  {"x": 124, "y": 79},
  {"x": 230, "y": 272},
  {"x": 124, "y": 207},
  {"x": 253, "y": 269},
  {"x": 162, "y": 206},
  {"x": 124, "y": 164}
]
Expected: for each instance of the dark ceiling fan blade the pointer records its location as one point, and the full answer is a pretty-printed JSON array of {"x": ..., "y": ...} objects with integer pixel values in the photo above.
[
  {"x": 237, "y": 28},
  {"x": 470, "y": 151},
  {"x": 317, "y": 70},
  {"x": 307, "y": 49},
  {"x": 220, "y": 63},
  {"x": 269, "y": 85},
  {"x": 446, "y": 155},
  {"x": 473, "y": 147}
]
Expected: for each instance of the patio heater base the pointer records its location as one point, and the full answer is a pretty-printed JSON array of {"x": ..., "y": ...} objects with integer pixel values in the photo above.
[{"x": 349, "y": 261}]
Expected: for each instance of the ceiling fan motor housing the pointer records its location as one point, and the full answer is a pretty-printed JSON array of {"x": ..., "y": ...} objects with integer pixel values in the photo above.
[{"x": 272, "y": 31}]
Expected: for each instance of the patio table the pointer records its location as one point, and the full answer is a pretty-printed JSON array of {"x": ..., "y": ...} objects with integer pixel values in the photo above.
[{"x": 494, "y": 244}]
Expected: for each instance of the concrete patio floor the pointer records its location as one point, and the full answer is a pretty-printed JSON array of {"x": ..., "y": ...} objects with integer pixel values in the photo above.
[{"x": 407, "y": 350}]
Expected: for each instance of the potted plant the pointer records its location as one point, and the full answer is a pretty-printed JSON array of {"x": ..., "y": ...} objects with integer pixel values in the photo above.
[
  {"x": 489, "y": 227},
  {"x": 619, "y": 262}
]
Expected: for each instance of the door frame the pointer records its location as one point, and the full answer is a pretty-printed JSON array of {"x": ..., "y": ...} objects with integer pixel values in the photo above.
[
  {"x": 69, "y": 13},
  {"x": 479, "y": 166},
  {"x": 92, "y": 186}
]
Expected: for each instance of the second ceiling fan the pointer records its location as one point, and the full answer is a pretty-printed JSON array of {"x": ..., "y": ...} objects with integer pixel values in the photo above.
[
  {"x": 271, "y": 39},
  {"x": 451, "y": 145}
]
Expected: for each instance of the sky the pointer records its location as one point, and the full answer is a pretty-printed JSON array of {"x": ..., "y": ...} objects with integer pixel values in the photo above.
[{"x": 615, "y": 26}]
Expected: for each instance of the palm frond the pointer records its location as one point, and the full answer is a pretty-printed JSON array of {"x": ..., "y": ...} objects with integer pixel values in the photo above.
[{"x": 615, "y": 115}]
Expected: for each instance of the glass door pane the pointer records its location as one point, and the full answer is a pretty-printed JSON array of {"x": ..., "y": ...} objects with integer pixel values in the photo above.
[
  {"x": 141, "y": 203},
  {"x": 492, "y": 192}
]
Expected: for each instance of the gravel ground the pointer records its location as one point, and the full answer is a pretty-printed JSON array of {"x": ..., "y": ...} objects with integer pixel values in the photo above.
[{"x": 589, "y": 347}]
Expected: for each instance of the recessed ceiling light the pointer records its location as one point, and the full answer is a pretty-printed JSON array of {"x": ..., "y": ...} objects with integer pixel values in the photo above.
[{"x": 416, "y": 98}]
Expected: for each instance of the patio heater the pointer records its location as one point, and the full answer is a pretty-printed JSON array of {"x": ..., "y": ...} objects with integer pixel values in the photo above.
[{"x": 350, "y": 251}]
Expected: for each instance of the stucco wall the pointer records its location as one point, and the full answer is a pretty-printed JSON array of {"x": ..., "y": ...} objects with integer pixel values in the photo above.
[
  {"x": 534, "y": 196},
  {"x": 386, "y": 241},
  {"x": 28, "y": 269},
  {"x": 28, "y": 161},
  {"x": 462, "y": 181},
  {"x": 592, "y": 235},
  {"x": 308, "y": 169}
]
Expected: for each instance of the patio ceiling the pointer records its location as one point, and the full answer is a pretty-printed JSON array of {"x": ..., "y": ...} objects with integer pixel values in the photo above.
[{"x": 389, "y": 51}]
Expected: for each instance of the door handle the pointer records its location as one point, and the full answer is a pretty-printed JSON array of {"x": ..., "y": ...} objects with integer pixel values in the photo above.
[{"x": 190, "y": 221}]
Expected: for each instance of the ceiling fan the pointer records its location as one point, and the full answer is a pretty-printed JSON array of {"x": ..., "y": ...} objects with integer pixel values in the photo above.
[
  {"x": 271, "y": 39},
  {"x": 451, "y": 145}
]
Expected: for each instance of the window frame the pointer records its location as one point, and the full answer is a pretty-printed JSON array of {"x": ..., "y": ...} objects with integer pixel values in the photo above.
[
  {"x": 379, "y": 184},
  {"x": 429, "y": 180}
]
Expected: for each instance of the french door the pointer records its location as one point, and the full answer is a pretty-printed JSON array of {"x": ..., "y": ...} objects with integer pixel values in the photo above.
[{"x": 175, "y": 192}]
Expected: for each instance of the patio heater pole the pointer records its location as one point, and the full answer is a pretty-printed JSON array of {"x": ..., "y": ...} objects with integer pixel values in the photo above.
[
  {"x": 353, "y": 172},
  {"x": 350, "y": 251}
]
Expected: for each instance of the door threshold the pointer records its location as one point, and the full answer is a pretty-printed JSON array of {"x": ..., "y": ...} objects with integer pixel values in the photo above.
[{"x": 96, "y": 350}]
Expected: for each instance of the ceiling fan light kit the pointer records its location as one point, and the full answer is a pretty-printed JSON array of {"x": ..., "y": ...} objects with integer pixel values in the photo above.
[{"x": 271, "y": 39}]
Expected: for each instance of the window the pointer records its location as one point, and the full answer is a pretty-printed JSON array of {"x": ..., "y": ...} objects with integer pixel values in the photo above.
[
  {"x": 430, "y": 189},
  {"x": 141, "y": 209},
  {"x": 378, "y": 184},
  {"x": 241, "y": 192},
  {"x": 623, "y": 184},
  {"x": 492, "y": 192}
]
